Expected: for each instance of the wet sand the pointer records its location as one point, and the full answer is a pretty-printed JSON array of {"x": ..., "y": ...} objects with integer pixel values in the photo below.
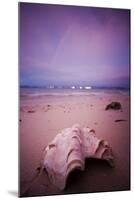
[{"x": 42, "y": 118}]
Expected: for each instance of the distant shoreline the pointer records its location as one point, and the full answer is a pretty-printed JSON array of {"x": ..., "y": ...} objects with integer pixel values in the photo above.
[{"x": 76, "y": 87}]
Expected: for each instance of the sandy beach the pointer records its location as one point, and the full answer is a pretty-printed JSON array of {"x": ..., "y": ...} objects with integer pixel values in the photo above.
[{"x": 41, "y": 119}]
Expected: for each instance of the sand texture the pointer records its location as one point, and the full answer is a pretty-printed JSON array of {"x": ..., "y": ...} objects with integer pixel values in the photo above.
[{"x": 42, "y": 118}]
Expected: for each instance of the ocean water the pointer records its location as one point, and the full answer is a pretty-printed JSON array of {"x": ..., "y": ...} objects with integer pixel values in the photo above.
[{"x": 33, "y": 93}]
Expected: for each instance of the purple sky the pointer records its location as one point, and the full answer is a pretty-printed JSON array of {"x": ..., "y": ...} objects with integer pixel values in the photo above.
[{"x": 65, "y": 45}]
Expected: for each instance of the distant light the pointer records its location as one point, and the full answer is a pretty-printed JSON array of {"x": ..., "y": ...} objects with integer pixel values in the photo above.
[
  {"x": 51, "y": 87},
  {"x": 88, "y": 87},
  {"x": 73, "y": 87},
  {"x": 81, "y": 87}
]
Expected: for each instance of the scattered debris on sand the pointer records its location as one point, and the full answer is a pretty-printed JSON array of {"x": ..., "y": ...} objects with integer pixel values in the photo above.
[
  {"x": 31, "y": 111},
  {"x": 120, "y": 120}
]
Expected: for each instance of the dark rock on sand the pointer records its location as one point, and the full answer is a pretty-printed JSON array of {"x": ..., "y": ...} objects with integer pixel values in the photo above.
[{"x": 114, "y": 106}]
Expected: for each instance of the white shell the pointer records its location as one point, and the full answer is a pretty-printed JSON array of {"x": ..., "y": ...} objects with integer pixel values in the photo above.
[{"x": 68, "y": 151}]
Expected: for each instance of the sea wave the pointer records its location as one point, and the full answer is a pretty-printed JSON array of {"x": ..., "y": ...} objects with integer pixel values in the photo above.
[
  {"x": 35, "y": 93},
  {"x": 41, "y": 94}
]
